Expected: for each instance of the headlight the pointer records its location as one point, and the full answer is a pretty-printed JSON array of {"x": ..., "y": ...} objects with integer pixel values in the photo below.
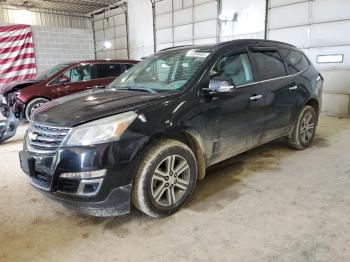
[{"x": 101, "y": 131}]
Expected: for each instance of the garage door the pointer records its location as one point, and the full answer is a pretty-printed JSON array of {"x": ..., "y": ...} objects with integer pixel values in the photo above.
[
  {"x": 186, "y": 22},
  {"x": 321, "y": 29},
  {"x": 111, "y": 34}
]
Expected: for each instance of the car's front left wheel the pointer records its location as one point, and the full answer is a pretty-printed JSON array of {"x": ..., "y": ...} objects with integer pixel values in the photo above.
[{"x": 165, "y": 179}]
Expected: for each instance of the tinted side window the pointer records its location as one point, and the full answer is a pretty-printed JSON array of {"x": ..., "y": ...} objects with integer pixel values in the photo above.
[
  {"x": 296, "y": 61},
  {"x": 236, "y": 67},
  {"x": 269, "y": 65},
  {"x": 108, "y": 70},
  {"x": 127, "y": 66}
]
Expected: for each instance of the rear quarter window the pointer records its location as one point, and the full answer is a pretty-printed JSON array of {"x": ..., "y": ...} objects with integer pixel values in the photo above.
[
  {"x": 127, "y": 66},
  {"x": 296, "y": 61},
  {"x": 108, "y": 70}
]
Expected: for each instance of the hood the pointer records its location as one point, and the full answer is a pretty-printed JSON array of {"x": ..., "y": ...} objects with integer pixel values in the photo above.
[
  {"x": 16, "y": 85},
  {"x": 87, "y": 106}
]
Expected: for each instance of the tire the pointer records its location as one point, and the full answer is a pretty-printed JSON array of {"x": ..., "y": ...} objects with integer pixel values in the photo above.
[
  {"x": 304, "y": 129},
  {"x": 34, "y": 104},
  {"x": 155, "y": 182}
]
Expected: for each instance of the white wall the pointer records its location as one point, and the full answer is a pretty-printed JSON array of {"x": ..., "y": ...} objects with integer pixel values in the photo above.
[
  {"x": 60, "y": 45},
  {"x": 57, "y": 38},
  {"x": 319, "y": 27},
  {"x": 250, "y": 21},
  {"x": 140, "y": 28}
]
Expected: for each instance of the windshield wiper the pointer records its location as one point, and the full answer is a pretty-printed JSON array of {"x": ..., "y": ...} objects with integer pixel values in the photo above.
[{"x": 137, "y": 88}]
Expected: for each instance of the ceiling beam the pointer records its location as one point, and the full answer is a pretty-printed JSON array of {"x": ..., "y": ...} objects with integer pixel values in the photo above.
[{"x": 82, "y": 3}]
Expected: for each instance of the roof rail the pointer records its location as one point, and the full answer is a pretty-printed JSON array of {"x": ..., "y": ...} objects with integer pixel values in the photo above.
[{"x": 173, "y": 47}]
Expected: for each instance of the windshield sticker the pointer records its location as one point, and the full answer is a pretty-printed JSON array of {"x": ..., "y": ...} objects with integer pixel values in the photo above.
[{"x": 194, "y": 53}]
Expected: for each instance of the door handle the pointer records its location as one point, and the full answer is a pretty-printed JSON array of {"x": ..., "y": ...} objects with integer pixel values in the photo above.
[
  {"x": 256, "y": 97},
  {"x": 293, "y": 88}
]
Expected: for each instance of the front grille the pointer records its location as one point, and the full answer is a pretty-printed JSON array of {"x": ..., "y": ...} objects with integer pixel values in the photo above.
[
  {"x": 45, "y": 139},
  {"x": 42, "y": 180}
]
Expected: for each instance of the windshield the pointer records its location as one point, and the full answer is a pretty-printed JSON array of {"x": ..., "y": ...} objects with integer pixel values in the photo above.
[
  {"x": 162, "y": 72},
  {"x": 47, "y": 74}
]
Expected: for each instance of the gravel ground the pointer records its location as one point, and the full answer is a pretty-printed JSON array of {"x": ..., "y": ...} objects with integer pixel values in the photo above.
[{"x": 270, "y": 204}]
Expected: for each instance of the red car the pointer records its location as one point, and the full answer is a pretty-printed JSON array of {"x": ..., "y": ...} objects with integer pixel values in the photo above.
[{"x": 22, "y": 98}]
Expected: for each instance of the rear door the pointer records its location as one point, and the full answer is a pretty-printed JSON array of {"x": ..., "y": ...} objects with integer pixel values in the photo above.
[
  {"x": 104, "y": 74},
  {"x": 297, "y": 64},
  {"x": 278, "y": 91}
]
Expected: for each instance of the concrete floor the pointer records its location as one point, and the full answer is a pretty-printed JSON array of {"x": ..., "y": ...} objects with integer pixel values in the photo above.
[{"x": 270, "y": 204}]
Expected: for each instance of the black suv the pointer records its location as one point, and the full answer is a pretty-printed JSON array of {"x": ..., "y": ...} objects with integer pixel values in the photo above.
[{"x": 152, "y": 133}]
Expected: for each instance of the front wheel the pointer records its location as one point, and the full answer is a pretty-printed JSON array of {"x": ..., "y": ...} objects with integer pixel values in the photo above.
[
  {"x": 165, "y": 179},
  {"x": 33, "y": 105},
  {"x": 304, "y": 130}
]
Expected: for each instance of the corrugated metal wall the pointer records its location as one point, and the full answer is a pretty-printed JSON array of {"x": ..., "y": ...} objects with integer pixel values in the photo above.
[
  {"x": 319, "y": 27},
  {"x": 42, "y": 17}
]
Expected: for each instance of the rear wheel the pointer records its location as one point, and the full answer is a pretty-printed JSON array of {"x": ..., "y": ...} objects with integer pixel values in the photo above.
[
  {"x": 33, "y": 105},
  {"x": 165, "y": 179},
  {"x": 304, "y": 130}
]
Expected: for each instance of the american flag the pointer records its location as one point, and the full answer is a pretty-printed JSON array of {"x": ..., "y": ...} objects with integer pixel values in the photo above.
[{"x": 17, "y": 58}]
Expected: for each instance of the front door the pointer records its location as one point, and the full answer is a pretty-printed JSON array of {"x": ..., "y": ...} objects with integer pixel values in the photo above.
[
  {"x": 77, "y": 78},
  {"x": 235, "y": 118}
]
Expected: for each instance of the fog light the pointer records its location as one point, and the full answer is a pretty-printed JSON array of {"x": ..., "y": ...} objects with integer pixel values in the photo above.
[
  {"x": 89, "y": 187},
  {"x": 84, "y": 175}
]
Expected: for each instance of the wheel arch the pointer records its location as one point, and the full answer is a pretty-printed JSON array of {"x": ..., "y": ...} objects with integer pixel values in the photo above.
[
  {"x": 36, "y": 97},
  {"x": 192, "y": 139},
  {"x": 313, "y": 102}
]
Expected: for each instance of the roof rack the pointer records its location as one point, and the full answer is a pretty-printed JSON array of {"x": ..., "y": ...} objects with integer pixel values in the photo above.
[{"x": 173, "y": 47}]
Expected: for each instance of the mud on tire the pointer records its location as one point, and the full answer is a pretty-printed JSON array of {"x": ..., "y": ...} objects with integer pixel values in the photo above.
[
  {"x": 169, "y": 166},
  {"x": 304, "y": 129}
]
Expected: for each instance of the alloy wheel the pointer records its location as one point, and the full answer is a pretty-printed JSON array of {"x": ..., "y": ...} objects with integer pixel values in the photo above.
[
  {"x": 170, "y": 180},
  {"x": 307, "y": 128},
  {"x": 36, "y": 106}
]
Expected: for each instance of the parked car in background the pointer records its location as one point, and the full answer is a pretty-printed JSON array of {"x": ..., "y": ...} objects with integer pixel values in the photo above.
[
  {"x": 147, "y": 138},
  {"x": 22, "y": 98}
]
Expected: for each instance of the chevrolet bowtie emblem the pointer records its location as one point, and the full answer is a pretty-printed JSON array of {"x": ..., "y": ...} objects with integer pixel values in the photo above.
[{"x": 32, "y": 136}]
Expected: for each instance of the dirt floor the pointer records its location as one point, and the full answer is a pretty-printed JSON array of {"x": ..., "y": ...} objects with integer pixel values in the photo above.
[{"x": 270, "y": 204}]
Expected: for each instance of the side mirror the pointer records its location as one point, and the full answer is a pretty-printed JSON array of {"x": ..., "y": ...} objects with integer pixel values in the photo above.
[
  {"x": 219, "y": 85},
  {"x": 63, "y": 80}
]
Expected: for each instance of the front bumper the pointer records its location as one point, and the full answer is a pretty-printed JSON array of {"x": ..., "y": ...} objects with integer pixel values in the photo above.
[
  {"x": 117, "y": 203},
  {"x": 114, "y": 194}
]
